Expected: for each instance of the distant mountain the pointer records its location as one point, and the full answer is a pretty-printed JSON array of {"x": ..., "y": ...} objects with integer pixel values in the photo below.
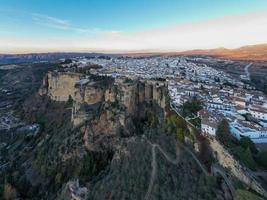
[
  {"x": 38, "y": 57},
  {"x": 251, "y": 52}
]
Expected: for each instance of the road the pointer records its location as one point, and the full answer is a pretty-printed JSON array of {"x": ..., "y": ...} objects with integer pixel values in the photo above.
[{"x": 246, "y": 70}]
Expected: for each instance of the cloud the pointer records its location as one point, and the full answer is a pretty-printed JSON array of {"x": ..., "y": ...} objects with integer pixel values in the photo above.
[
  {"x": 229, "y": 32},
  {"x": 62, "y": 24},
  {"x": 50, "y": 21}
]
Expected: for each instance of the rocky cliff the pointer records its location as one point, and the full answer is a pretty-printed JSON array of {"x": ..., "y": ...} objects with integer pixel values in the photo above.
[
  {"x": 111, "y": 135},
  {"x": 59, "y": 85},
  {"x": 88, "y": 92},
  {"x": 104, "y": 106}
]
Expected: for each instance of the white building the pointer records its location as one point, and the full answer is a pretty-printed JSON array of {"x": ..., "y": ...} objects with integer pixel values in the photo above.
[
  {"x": 258, "y": 113},
  {"x": 208, "y": 126},
  {"x": 238, "y": 130}
]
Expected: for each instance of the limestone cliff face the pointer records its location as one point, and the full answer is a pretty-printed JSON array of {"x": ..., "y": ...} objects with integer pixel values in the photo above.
[
  {"x": 117, "y": 99},
  {"x": 123, "y": 94},
  {"x": 59, "y": 85}
]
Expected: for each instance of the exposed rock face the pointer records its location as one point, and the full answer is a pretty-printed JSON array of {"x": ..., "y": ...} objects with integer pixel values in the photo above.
[
  {"x": 59, "y": 86},
  {"x": 123, "y": 96},
  {"x": 89, "y": 93},
  {"x": 106, "y": 107},
  {"x": 73, "y": 191}
]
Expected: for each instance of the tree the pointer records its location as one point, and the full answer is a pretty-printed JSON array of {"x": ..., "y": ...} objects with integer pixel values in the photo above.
[
  {"x": 246, "y": 142},
  {"x": 261, "y": 158},
  {"x": 69, "y": 103},
  {"x": 223, "y": 133},
  {"x": 191, "y": 107},
  {"x": 245, "y": 156}
]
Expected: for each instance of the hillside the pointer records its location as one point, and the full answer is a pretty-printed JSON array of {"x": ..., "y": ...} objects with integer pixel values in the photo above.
[{"x": 111, "y": 140}]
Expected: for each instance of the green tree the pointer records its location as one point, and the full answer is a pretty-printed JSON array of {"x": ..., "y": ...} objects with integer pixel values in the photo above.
[
  {"x": 246, "y": 142},
  {"x": 191, "y": 107},
  {"x": 245, "y": 156},
  {"x": 69, "y": 102},
  {"x": 223, "y": 133},
  {"x": 261, "y": 158}
]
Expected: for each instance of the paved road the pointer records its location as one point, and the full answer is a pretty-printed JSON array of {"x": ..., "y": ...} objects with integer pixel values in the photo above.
[{"x": 246, "y": 70}]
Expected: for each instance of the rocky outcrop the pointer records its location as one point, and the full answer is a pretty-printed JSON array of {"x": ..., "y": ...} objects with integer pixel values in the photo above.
[
  {"x": 105, "y": 106},
  {"x": 73, "y": 191},
  {"x": 59, "y": 86}
]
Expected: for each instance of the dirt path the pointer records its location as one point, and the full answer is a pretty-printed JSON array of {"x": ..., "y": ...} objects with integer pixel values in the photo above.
[
  {"x": 154, "y": 165},
  {"x": 153, "y": 173}
]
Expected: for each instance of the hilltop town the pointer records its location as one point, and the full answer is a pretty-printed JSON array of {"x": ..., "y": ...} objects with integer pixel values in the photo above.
[
  {"x": 89, "y": 113},
  {"x": 222, "y": 95}
]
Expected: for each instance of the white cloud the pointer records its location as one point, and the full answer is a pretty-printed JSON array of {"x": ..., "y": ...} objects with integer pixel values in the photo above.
[
  {"x": 229, "y": 32},
  {"x": 58, "y": 23},
  {"x": 50, "y": 21}
]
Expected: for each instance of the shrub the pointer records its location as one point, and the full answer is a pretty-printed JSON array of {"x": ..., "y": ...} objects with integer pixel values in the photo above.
[
  {"x": 246, "y": 195},
  {"x": 9, "y": 192}
]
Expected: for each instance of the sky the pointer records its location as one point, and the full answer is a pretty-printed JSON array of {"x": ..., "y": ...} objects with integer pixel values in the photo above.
[{"x": 130, "y": 25}]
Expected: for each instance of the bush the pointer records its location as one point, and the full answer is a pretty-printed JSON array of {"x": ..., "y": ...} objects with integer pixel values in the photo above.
[
  {"x": 9, "y": 192},
  {"x": 246, "y": 195},
  {"x": 176, "y": 125}
]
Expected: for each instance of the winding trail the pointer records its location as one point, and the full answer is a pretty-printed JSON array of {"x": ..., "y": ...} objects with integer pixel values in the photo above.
[
  {"x": 170, "y": 160},
  {"x": 153, "y": 173},
  {"x": 195, "y": 158},
  {"x": 154, "y": 165}
]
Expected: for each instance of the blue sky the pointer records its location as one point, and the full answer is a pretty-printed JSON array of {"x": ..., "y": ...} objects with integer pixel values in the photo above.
[{"x": 88, "y": 19}]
